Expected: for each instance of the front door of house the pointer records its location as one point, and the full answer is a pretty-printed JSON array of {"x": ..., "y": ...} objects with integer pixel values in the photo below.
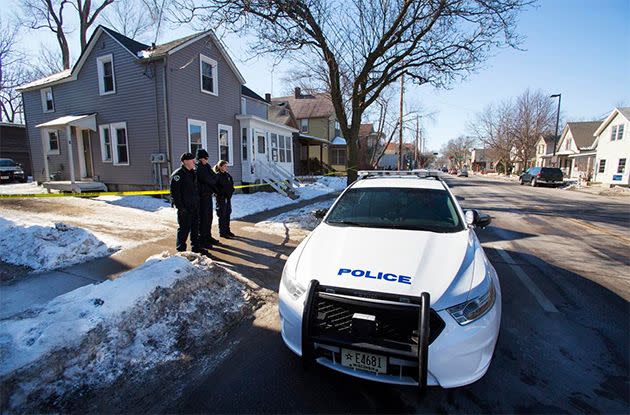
[
  {"x": 261, "y": 146},
  {"x": 86, "y": 156}
]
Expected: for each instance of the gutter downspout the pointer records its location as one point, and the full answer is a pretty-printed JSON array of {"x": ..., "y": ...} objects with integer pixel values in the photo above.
[
  {"x": 166, "y": 120},
  {"x": 158, "y": 166}
]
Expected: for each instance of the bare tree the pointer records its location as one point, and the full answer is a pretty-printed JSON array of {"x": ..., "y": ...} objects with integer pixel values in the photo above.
[
  {"x": 48, "y": 62},
  {"x": 534, "y": 115},
  {"x": 494, "y": 128},
  {"x": 132, "y": 18},
  {"x": 48, "y": 14},
  {"x": 457, "y": 150},
  {"x": 88, "y": 16},
  {"x": 364, "y": 46}
]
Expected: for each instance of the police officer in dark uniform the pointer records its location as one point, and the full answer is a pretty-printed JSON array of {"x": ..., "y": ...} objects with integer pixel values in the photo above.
[
  {"x": 225, "y": 189},
  {"x": 207, "y": 179},
  {"x": 185, "y": 194}
]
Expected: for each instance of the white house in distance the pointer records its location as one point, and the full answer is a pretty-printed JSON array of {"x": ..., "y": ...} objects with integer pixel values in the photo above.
[
  {"x": 613, "y": 148},
  {"x": 544, "y": 151},
  {"x": 576, "y": 149}
]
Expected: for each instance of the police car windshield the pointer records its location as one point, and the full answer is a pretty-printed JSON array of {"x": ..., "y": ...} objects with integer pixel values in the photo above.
[{"x": 397, "y": 208}]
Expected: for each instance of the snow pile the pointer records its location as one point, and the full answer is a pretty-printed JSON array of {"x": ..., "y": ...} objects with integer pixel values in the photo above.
[
  {"x": 323, "y": 185},
  {"x": 159, "y": 312},
  {"x": 21, "y": 189},
  {"x": 299, "y": 222},
  {"x": 146, "y": 203},
  {"x": 48, "y": 247},
  {"x": 616, "y": 191}
]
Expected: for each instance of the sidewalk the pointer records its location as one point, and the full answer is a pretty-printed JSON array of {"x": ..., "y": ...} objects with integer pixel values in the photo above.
[{"x": 34, "y": 289}]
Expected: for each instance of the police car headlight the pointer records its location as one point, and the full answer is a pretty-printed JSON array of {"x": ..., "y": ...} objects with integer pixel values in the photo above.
[
  {"x": 472, "y": 310},
  {"x": 289, "y": 281}
]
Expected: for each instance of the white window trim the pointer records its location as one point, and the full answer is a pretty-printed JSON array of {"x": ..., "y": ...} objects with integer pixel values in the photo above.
[
  {"x": 102, "y": 139},
  {"x": 230, "y": 142},
  {"x": 43, "y": 95},
  {"x": 114, "y": 139},
  {"x": 50, "y": 152},
  {"x": 307, "y": 125},
  {"x": 215, "y": 75},
  {"x": 204, "y": 133},
  {"x": 99, "y": 66}
]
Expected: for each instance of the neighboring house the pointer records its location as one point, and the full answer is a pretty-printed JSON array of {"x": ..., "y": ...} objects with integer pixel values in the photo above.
[
  {"x": 613, "y": 148},
  {"x": 544, "y": 151},
  {"x": 481, "y": 160},
  {"x": 389, "y": 161},
  {"x": 369, "y": 146},
  {"x": 320, "y": 138},
  {"x": 14, "y": 145},
  {"x": 576, "y": 149},
  {"x": 126, "y": 111}
]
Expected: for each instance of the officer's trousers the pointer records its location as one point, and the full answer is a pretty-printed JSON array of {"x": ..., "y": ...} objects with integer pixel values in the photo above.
[
  {"x": 188, "y": 224},
  {"x": 224, "y": 210},
  {"x": 205, "y": 219}
]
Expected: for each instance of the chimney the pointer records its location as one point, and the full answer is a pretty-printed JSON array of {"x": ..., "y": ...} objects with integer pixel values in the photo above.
[
  {"x": 153, "y": 46},
  {"x": 268, "y": 97},
  {"x": 298, "y": 92}
]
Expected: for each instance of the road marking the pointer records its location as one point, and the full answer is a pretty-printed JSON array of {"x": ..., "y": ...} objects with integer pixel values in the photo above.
[
  {"x": 598, "y": 229},
  {"x": 531, "y": 286}
]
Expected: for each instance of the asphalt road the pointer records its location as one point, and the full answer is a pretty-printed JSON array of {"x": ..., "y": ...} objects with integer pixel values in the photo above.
[{"x": 562, "y": 258}]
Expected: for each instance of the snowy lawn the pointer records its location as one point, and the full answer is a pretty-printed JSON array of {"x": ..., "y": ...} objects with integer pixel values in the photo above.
[
  {"x": 297, "y": 223},
  {"x": 44, "y": 248},
  {"x": 90, "y": 337},
  {"x": 21, "y": 189}
]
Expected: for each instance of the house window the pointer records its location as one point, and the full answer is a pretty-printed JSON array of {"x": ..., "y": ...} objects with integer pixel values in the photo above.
[
  {"x": 304, "y": 125},
  {"x": 197, "y": 138},
  {"x": 337, "y": 129},
  {"x": 288, "y": 143},
  {"x": 208, "y": 74},
  {"x": 338, "y": 156},
  {"x": 261, "y": 143},
  {"x": 106, "y": 78},
  {"x": 567, "y": 146},
  {"x": 244, "y": 144},
  {"x": 53, "y": 142},
  {"x": 106, "y": 142},
  {"x": 225, "y": 144},
  {"x": 48, "y": 103},
  {"x": 619, "y": 132},
  {"x": 282, "y": 149},
  {"x": 274, "y": 146},
  {"x": 243, "y": 106},
  {"x": 621, "y": 167},
  {"x": 602, "y": 166},
  {"x": 120, "y": 144}
]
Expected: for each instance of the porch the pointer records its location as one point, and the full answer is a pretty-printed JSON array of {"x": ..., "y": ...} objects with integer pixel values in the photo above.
[{"x": 309, "y": 155}]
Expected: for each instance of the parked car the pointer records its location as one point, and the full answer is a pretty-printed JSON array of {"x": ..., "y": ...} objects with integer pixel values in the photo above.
[
  {"x": 11, "y": 171},
  {"x": 537, "y": 176},
  {"x": 444, "y": 170},
  {"x": 452, "y": 171},
  {"x": 463, "y": 173},
  {"x": 370, "y": 309}
]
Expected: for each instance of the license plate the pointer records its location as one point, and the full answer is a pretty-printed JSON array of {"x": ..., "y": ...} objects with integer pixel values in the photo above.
[
  {"x": 4, "y": 177},
  {"x": 364, "y": 361}
]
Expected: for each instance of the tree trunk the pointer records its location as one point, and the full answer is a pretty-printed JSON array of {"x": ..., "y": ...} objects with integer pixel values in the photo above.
[{"x": 65, "y": 50}]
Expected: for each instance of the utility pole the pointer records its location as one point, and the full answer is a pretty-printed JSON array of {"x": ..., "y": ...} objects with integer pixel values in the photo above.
[
  {"x": 555, "y": 137},
  {"x": 415, "y": 148},
  {"x": 400, "y": 143}
]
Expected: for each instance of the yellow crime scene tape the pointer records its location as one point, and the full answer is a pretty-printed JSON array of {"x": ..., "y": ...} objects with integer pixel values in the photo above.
[{"x": 156, "y": 192}]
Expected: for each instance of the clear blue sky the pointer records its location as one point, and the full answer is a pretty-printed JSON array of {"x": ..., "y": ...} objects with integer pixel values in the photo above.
[{"x": 579, "y": 48}]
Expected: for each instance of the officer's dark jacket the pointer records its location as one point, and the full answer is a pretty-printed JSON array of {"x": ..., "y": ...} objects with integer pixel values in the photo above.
[
  {"x": 225, "y": 184},
  {"x": 207, "y": 179},
  {"x": 184, "y": 189}
]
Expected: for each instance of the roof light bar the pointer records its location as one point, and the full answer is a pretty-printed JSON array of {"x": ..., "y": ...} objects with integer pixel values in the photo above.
[{"x": 421, "y": 173}]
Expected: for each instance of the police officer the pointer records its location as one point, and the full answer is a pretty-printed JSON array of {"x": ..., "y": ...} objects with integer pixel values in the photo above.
[
  {"x": 207, "y": 179},
  {"x": 185, "y": 195},
  {"x": 225, "y": 189}
]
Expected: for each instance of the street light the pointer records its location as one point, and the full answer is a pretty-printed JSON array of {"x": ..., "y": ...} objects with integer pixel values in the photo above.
[{"x": 555, "y": 137}]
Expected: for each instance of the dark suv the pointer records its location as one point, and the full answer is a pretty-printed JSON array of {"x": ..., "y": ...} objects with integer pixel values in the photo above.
[
  {"x": 542, "y": 175},
  {"x": 10, "y": 171}
]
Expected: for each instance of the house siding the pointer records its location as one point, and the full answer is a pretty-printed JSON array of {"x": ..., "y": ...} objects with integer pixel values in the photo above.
[
  {"x": 134, "y": 103},
  {"x": 612, "y": 152},
  {"x": 257, "y": 108},
  {"x": 186, "y": 100}
]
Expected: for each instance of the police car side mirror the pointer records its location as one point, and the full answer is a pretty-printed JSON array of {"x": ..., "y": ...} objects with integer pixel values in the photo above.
[
  {"x": 320, "y": 213},
  {"x": 480, "y": 220}
]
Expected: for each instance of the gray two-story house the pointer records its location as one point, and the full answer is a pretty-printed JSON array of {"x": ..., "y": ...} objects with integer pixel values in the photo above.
[{"x": 126, "y": 111}]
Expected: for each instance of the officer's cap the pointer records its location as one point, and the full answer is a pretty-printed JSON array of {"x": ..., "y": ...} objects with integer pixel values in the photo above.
[
  {"x": 187, "y": 156},
  {"x": 202, "y": 154}
]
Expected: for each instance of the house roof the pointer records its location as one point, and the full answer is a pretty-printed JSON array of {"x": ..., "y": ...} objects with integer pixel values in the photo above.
[
  {"x": 251, "y": 94},
  {"x": 393, "y": 147},
  {"x": 624, "y": 111},
  {"x": 309, "y": 106},
  {"x": 366, "y": 129},
  {"x": 136, "y": 49},
  {"x": 281, "y": 113},
  {"x": 583, "y": 133}
]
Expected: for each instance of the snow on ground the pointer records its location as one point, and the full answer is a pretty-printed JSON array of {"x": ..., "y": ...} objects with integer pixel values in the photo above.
[
  {"x": 298, "y": 222},
  {"x": 92, "y": 336},
  {"x": 146, "y": 203},
  {"x": 44, "y": 248},
  {"x": 21, "y": 189}
]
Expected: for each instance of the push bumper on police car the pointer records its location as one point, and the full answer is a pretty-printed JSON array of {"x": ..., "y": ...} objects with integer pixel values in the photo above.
[{"x": 387, "y": 338}]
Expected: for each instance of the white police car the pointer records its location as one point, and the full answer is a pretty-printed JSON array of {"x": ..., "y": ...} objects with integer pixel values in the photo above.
[{"x": 394, "y": 286}]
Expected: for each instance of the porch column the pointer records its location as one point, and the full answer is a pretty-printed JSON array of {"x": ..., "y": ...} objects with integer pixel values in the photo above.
[
  {"x": 321, "y": 157},
  {"x": 44, "y": 136},
  {"x": 70, "y": 154}
]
